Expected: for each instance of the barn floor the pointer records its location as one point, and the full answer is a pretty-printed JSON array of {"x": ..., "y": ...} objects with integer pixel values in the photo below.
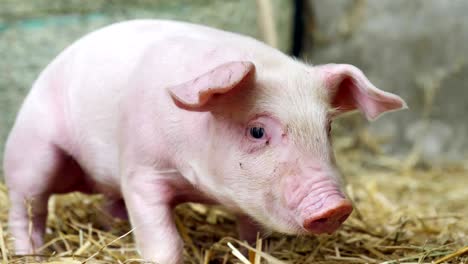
[{"x": 406, "y": 212}]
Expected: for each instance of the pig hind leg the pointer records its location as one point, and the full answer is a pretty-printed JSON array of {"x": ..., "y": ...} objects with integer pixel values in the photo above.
[{"x": 29, "y": 175}]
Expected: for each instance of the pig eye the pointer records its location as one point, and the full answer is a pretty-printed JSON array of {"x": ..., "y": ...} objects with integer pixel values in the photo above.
[{"x": 257, "y": 132}]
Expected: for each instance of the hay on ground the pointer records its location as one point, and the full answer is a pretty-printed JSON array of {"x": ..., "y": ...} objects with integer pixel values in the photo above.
[{"x": 406, "y": 212}]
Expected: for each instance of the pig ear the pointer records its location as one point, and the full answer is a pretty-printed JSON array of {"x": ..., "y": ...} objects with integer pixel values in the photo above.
[
  {"x": 350, "y": 89},
  {"x": 195, "y": 94}
]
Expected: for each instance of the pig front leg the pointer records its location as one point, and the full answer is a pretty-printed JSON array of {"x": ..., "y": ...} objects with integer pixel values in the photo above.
[{"x": 148, "y": 202}]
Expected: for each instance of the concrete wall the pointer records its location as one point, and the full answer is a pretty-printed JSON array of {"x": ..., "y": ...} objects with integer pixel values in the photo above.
[{"x": 418, "y": 49}]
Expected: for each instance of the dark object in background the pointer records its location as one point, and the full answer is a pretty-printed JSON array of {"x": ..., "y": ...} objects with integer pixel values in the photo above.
[{"x": 298, "y": 28}]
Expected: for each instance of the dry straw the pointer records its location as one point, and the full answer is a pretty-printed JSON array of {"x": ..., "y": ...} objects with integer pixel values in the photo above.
[{"x": 406, "y": 212}]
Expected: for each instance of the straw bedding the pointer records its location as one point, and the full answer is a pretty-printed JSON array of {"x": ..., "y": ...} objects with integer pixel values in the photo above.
[{"x": 406, "y": 212}]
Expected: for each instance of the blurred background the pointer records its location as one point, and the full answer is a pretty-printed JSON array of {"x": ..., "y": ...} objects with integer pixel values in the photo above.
[{"x": 416, "y": 49}]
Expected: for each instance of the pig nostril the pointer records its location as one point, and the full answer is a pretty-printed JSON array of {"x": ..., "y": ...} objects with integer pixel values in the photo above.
[
  {"x": 329, "y": 220},
  {"x": 321, "y": 220}
]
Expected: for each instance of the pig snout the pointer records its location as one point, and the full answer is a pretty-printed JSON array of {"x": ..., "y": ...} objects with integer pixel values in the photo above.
[
  {"x": 318, "y": 202},
  {"x": 335, "y": 210}
]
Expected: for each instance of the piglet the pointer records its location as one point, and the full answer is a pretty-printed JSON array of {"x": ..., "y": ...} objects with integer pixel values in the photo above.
[{"x": 155, "y": 113}]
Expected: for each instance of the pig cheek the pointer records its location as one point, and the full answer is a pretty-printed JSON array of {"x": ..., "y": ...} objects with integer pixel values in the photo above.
[
  {"x": 262, "y": 183},
  {"x": 225, "y": 138},
  {"x": 277, "y": 216},
  {"x": 257, "y": 173},
  {"x": 276, "y": 196}
]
